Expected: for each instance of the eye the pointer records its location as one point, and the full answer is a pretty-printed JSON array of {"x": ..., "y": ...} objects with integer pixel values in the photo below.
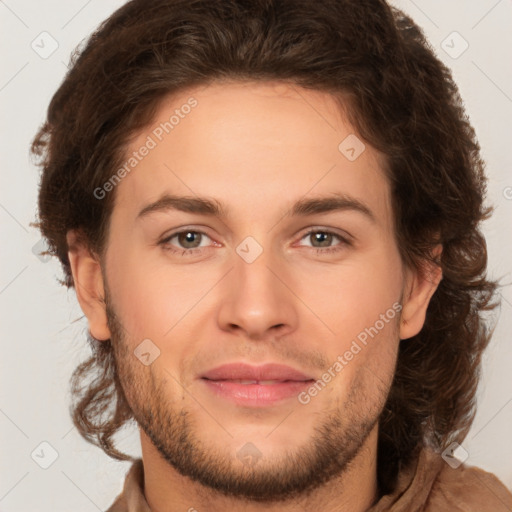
[
  {"x": 188, "y": 242},
  {"x": 322, "y": 240},
  {"x": 185, "y": 241}
]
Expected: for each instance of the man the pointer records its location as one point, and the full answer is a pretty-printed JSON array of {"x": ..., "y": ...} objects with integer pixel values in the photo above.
[{"x": 270, "y": 212}]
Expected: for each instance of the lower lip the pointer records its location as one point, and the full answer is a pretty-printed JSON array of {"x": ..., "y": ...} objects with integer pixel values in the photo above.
[{"x": 257, "y": 395}]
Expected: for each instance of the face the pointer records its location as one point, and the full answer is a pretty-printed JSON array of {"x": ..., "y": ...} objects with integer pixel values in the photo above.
[{"x": 283, "y": 254}]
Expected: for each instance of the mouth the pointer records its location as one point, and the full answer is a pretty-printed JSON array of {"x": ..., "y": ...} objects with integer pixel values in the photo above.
[
  {"x": 256, "y": 386},
  {"x": 259, "y": 382}
]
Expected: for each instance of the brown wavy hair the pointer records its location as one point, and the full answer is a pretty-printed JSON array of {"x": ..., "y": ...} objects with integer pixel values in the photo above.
[{"x": 401, "y": 99}]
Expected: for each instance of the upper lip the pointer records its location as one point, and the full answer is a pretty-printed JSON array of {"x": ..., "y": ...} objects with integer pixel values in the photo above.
[{"x": 243, "y": 371}]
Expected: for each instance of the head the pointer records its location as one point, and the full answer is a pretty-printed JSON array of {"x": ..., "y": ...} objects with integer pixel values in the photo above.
[{"x": 233, "y": 103}]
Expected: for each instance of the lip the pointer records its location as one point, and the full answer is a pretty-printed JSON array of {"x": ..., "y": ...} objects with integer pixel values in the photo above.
[
  {"x": 256, "y": 386},
  {"x": 243, "y": 371}
]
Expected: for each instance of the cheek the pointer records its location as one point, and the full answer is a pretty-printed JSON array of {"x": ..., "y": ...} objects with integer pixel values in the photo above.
[
  {"x": 353, "y": 295},
  {"x": 142, "y": 300},
  {"x": 156, "y": 299},
  {"x": 359, "y": 302}
]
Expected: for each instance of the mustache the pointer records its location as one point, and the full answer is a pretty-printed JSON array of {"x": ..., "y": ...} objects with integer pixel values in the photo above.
[{"x": 285, "y": 348}]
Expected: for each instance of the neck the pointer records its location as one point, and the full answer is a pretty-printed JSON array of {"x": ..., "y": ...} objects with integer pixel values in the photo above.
[{"x": 355, "y": 490}]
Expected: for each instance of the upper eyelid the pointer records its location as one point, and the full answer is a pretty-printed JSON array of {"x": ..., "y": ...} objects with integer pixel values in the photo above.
[
  {"x": 184, "y": 230},
  {"x": 166, "y": 238},
  {"x": 330, "y": 232}
]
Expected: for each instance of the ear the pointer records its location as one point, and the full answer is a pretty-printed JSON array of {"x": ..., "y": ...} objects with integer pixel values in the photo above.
[
  {"x": 89, "y": 285},
  {"x": 419, "y": 288}
]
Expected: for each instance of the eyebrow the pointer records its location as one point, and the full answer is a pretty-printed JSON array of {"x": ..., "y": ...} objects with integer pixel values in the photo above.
[{"x": 301, "y": 208}]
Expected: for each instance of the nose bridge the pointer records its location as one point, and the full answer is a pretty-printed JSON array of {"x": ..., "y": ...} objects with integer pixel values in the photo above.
[
  {"x": 254, "y": 273},
  {"x": 255, "y": 299}
]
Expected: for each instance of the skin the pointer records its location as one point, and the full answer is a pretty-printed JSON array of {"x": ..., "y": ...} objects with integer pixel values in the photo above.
[{"x": 257, "y": 148}]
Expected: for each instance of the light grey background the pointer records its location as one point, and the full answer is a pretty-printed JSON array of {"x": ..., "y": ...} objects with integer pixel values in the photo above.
[{"x": 42, "y": 343}]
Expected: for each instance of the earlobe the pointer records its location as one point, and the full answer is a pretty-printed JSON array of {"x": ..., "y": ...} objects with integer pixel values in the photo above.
[
  {"x": 419, "y": 289},
  {"x": 89, "y": 285}
]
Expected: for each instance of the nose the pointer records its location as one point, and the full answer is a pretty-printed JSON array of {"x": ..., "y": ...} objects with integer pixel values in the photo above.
[{"x": 257, "y": 300}]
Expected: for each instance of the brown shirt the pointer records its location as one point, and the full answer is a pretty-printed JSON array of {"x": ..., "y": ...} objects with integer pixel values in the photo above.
[{"x": 430, "y": 486}]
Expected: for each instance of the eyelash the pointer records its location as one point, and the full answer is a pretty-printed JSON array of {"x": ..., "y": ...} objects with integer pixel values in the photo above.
[{"x": 165, "y": 243}]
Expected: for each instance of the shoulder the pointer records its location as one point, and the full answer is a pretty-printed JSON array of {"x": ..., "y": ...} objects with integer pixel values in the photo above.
[
  {"x": 429, "y": 484},
  {"x": 132, "y": 497},
  {"x": 468, "y": 489}
]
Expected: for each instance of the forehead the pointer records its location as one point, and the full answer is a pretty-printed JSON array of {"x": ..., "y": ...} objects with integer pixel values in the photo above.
[{"x": 251, "y": 146}]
